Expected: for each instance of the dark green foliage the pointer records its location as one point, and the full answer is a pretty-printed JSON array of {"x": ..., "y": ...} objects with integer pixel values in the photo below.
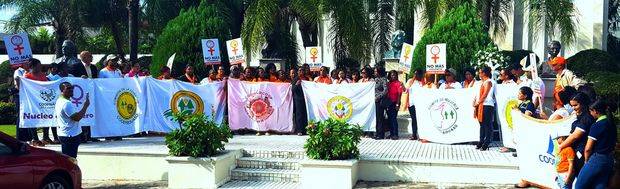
[
  {"x": 514, "y": 57},
  {"x": 605, "y": 83},
  {"x": 7, "y": 110},
  {"x": 348, "y": 63},
  {"x": 42, "y": 42},
  {"x": 6, "y": 75},
  {"x": 333, "y": 140},
  {"x": 592, "y": 60},
  {"x": 462, "y": 31},
  {"x": 198, "y": 136},
  {"x": 182, "y": 36}
]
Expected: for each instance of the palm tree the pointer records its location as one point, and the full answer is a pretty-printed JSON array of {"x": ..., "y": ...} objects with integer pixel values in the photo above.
[
  {"x": 382, "y": 25},
  {"x": 108, "y": 14},
  {"x": 60, "y": 14}
]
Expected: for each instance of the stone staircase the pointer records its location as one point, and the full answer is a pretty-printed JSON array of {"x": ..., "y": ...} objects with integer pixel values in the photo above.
[{"x": 267, "y": 169}]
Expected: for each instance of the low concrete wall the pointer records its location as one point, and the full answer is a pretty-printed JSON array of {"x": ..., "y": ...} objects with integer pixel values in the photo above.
[
  {"x": 122, "y": 166},
  {"x": 382, "y": 170},
  {"x": 211, "y": 172},
  {"x": 336, "y": 174}
]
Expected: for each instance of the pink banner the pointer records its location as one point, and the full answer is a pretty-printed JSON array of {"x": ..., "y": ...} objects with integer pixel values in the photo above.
[{"x": 260, "y": 106}]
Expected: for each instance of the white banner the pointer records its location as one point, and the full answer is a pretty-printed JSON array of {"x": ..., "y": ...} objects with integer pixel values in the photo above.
[
  {"x": 506, "y": 98},
  {"x": 18, "y": 48},
  {"x": 446, "y": 116},
  {"x": 536, "y": 148},
  {"x": 171, "y": 96},
  {"x": 37, "y": 100},
  {"x": 260, "y": 106},
  {"x": 353, "y": 103},
  {"x": 120, "y": 105}
]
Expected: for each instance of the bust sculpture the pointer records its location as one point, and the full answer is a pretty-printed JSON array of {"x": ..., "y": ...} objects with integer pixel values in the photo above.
[
  {"x": 69, "y": 53},
  {"x": 398, "y": 38},
  {"x": 554, "y": 49}
]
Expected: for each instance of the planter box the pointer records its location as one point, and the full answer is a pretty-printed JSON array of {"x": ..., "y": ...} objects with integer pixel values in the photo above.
[
  {"x": 208, "y": 172},
  {"x": 335, "y": 174}
]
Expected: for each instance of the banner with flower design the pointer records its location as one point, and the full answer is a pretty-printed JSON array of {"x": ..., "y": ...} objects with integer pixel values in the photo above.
[
  {"x": 353, "y": 103},
  {"x": 260, "y": 106}
]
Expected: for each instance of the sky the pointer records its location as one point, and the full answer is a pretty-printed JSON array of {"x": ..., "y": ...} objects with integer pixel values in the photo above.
[{"x": 5, "y": 15}]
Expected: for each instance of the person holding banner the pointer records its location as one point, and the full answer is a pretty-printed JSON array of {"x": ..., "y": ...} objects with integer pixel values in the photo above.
[
  {"x": 342, "y": 77},
  {"x": 394, "y": 92},
  {"x": 417, "y": 81},
  {"x": 37, "y": 74},
  {"x": 272, "y": 72},
  {"x": 451, "y": 82},
  {"x": 304, "y": 74},
  {"x": 324, "y": 77},
  {"x": 261, "y": 75},
  {"x": 248, "y": 74},
  {"x": 365, "y": 75},
  {"x": 165, "y": 73},
  {"x": 111, "y": 69},
  {"x": 599, "y": 150},
  {"x": 561, "y": 112},
  {"x": 282, "y": 77},
  {"x": 189, "y": 75},
  {"x": 485, "y": 108},
  {"x": 68, "y": 119},
  {"x": 211, "y": 78},
  {"x": 430, "y": 82},
  {"x": 506, "y": 77},
  {"x": 235, "y": 72},
  {"x": 355, "y": 76},
  {"x": 470, "y": 78},
  {"x": 580, "y": 129},
  {"x": 565, "y": 167},
  {"x": 299, "y": 104},
  {"x": 220, "y": 73}
]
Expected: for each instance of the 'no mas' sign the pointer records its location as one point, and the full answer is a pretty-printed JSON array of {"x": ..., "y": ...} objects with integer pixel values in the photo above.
[
  {"x": 436, "y": 58},
  {"x": 18, "y": 48}
]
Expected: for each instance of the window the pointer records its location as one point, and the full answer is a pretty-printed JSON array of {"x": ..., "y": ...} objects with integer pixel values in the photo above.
[{"x": 5, "y": 150}]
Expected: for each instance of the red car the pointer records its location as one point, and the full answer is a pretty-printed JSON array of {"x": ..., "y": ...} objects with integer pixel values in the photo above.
[{"x": 24, "y": 166}]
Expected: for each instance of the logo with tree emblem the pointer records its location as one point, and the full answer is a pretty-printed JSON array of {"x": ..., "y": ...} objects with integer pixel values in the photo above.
[
  {"x": 185, "y": 101},
  {"x": 444, "y": 114},
  {"x": 126, "y": 106}
]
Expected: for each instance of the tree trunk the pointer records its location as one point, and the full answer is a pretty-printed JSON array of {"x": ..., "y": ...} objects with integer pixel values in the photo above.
[
  {"x": 133, "y": 30},
  {"x": 309, "y": 33},
  {"x": 59, "y": 37},
  {"x": 486, "y": 14},
  {"x": 116, "y": 34}
]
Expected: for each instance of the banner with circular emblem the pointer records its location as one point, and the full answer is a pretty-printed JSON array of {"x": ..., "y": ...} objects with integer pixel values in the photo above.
[
  {"x": 120, "y": 105},
  {"x": 351, "y": 103},
  {"x": 446, "y": 116},
  {"x": 38, "y": 100},
  {"x": 262, "y": 106},
  {"x": 167, "y": 97}
]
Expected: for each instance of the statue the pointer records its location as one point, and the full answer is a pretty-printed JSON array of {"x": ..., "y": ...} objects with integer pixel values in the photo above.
[
  {"x": 69, "y": 51},
  {"x": 554, "y": 50},
  {"x": 398, "y": 38}
]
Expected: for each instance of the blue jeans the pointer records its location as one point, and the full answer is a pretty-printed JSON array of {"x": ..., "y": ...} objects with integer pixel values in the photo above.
[
  {"x": 392, "y": 111},
  {"x": 70, "y": 145},
  {"x": 596, "y": 172}
]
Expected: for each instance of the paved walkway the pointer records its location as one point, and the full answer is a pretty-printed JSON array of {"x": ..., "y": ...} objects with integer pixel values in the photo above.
[{"x": 372, "y": 150}]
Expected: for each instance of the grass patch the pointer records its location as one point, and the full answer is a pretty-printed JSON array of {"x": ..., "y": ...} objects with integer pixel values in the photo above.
[{"x": 8, "y": 129}]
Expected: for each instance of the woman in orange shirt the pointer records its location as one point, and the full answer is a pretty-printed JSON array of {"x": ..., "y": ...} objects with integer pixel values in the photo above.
[
  {"x": 261, "y": 75},
  {"x": 469, "y": 78},
  {"x": 37, "y": 74},
  {"x": 271, "y": 72}
]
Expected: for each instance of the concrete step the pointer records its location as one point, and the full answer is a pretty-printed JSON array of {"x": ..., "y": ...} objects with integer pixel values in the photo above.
[
  {"x": 239, "y": 184},
  {"x": 277, "y": 175},
  {"x": 274, "y": 154},
  {"x": 268, "y": 163}
]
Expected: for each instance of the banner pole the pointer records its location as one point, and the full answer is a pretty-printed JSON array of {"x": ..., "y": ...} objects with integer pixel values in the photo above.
[{"x": 436, "y": 76}]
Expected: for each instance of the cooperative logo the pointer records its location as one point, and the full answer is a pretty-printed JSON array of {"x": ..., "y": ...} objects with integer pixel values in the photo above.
[
  {"x": 549, "y": 157},
  {"x": 126, "y": 106},
  {"x": 444, "y": 114},
  {"x": 186, "y": 101},
  {"x": 258, "y": 106},
  {"x": 340, "y": 108},
  {"x": 48, "y": 94}
]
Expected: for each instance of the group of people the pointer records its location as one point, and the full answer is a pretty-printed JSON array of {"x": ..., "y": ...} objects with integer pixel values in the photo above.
[{"x": 34, "y": 70}]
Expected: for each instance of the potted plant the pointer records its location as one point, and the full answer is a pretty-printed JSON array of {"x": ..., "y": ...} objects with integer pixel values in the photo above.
[
  {"x": 333, "y": 152},
  {"x": 198, "y": 159}
]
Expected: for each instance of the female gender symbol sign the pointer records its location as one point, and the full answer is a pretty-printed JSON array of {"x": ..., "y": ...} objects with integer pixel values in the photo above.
[
  {"x": 77, "y": 100},
  {"x": 435, "y": 51},
  {"x": 210, "y": 44},
  {"x": 17, "y": 41}
]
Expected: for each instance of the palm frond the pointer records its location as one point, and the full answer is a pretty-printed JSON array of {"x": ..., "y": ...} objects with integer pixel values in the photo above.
[
  {"x": 382, "y": 26},
  {"x": 549, "y": 16},
  {"x": 350, "y": 34},
  {"x": 259, "y": 19},
  {"x": 500, "y": 12}
]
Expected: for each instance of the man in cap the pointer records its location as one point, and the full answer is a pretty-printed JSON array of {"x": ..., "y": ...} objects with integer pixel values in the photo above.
[{"x": 564, "y": 77}]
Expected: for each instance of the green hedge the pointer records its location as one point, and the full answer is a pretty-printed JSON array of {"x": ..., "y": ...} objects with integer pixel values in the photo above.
[
  {"x": 198, "y": 136},
  {"x": 462, "y": 31},
  {"x": 592, "y": 60},
  {"x": 7, "y": 110},
  {"x": 183, "y": 36}
]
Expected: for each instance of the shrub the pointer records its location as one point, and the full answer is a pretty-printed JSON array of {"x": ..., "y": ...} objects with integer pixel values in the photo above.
[
  {"x": 198, "y": 136},
  {"x": 462, "y": 31},
  {"x": 7, "y": 110},
  {"x": 592, "y": 60},
  {"x": 333, "y": 140},
  {"x": 515, "y": 57},
  {"x": 182, "y": 36}
]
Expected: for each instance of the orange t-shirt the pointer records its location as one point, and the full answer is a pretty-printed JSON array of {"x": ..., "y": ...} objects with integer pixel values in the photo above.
[
  {"x": 325, "y": 80},
  {"x": 567, "y": 154},
  {"x": 273, "y": 79}
]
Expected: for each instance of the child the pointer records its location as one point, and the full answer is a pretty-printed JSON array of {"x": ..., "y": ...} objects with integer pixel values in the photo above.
[
  {"x": 565, "y": 167},
  {"x": 526, "y": 106}
]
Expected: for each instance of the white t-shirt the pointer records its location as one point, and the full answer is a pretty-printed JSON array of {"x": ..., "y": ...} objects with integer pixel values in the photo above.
[
  {"x": 105, "y": 73},
  {"x": 416, "y": 84},
  {"x": 490, "y": 99},
  {"x": 63, "y": 111},
  {"x": 455, "y": 85}
]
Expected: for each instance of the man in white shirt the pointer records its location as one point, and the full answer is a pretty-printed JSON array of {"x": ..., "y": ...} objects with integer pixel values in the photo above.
[{"x": 68, "y": 119}]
